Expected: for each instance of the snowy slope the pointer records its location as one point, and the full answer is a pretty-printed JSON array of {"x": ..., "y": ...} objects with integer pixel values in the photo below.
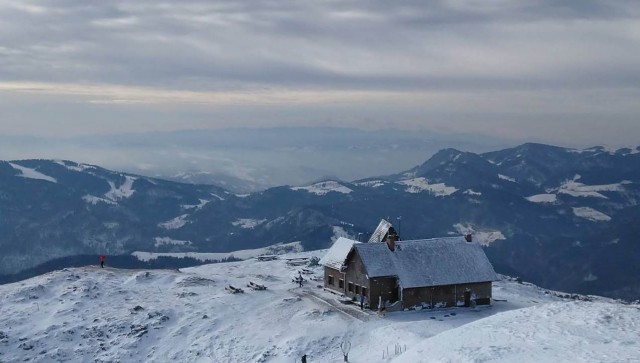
[
  {"x": 89, "y": 314},
  {"x": 32, "y": 173},
  {"x": 555, "y": 332}
]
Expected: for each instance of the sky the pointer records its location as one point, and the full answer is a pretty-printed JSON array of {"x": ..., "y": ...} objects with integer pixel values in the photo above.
[{"x": 564, "y": 72}]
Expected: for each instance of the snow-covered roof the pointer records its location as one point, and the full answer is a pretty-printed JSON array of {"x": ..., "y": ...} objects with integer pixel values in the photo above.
[
  {"x": 380, "y": 232},
  {"x": 337, "y": 254},
  {"x": 428, "y": 262}
]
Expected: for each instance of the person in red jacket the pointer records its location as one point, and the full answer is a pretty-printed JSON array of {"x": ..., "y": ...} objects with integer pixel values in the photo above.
[{"x": 102, "y": 257}]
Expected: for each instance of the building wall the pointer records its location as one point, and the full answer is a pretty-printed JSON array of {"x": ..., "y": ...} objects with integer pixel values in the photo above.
[
  {"x": 447, "y": 296},
  {"x": 356, "y": 275},
  {"x": 337, "y": 275},
  {"x": 382, "y": 287}
]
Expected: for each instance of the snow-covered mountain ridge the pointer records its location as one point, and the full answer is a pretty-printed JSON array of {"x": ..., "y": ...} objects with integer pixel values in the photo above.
[
  {"x": 110, "y": 315},
  {"x": 563, "y": 219}
]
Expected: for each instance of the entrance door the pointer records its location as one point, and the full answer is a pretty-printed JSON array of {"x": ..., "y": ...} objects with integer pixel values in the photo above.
[{"x": 467, "y": 299}]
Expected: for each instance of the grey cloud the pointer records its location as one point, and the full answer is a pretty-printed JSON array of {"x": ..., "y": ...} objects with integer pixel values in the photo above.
[
  {"x": 345, "y": 44},
  {"x": 466, "y": 65}
]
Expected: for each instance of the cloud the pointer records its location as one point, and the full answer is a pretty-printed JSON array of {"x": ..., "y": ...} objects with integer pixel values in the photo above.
[{"x": 416, "y": 60}]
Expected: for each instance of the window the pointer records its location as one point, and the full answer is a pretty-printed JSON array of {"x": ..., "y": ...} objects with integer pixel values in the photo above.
[
  {"x": 358, "y": 289},
  {"x": 350, "y": 286},
  {"x": 341, "y": 284},
  {"x": 364, "y": 291},
  {"x": 330, "y": 280}
]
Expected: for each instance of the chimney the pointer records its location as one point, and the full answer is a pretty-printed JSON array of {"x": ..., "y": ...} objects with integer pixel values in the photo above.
[
  {"x": 468, "y": 238},
  {"x": 391, "y": 243}
]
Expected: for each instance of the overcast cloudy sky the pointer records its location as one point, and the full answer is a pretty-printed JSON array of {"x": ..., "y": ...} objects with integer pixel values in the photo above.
[{"x": 560, "y": 71}]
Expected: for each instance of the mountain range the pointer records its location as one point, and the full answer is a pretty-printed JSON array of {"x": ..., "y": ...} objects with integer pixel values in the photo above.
[{"x": 565, "y": 219}]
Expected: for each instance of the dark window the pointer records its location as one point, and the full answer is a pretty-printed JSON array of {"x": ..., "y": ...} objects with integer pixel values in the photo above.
[
  {"x": 341, "y": 284},
  {"x": 330, "y": 280},
  {"x": 364, "y": 291},
  {"x": 350, "y": 287},
  {"x": 358, "y": 289}
]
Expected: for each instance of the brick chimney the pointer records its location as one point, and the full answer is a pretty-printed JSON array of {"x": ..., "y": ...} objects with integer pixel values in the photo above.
[{"x": 468, "y": 237}]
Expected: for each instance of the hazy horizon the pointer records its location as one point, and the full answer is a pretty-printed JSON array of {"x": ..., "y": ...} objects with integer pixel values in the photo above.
[{"x": 250, "y": 159}]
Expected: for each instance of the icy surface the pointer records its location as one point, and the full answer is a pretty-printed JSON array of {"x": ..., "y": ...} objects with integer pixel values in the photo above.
[
  {"x": 418, "y": 185},
  {"x": 543, "y": 198},
  {"x": 590, "y": 214},
  {"x": 108, "y": 315},
  {"x": 324, "y": 188},
  {"x": 29, "y": 173}
]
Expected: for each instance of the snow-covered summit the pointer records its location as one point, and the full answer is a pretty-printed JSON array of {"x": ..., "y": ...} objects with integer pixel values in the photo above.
[{"x": 106, "y": 315}]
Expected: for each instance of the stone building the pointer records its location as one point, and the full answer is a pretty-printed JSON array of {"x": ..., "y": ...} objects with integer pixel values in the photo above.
[{"x": 439, "y": 272}]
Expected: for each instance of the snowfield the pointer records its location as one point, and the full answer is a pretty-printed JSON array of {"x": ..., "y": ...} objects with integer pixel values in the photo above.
[
  {"x": 29, "y": 173},
  {"x": 373, "y": 183},
  {"x": 324, "y": 188},
  {"x": 590, "y": 214},
  {"x": 247, "y": 223},
  {"x": 125, "y": 190},
  {"x": 175, "y": 223},
  {"x": 543, "y": 198},
  {"x": 419, "y": 185},
  {"x": 577, "y": 189},
  {"x": 108, "y": 315},
  {"x": 507, "y": 178},
  {"x": 219, "y": 256},
  {"x": 484, "y": 238}
]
